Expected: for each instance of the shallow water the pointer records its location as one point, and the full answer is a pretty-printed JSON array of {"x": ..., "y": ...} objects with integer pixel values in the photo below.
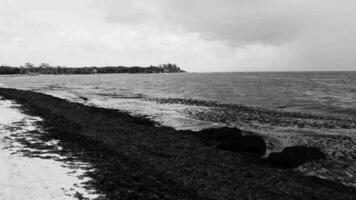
[
  {"x": 325, "y": 92},
  {"x": 30, "y": 173},
  {"x": 331, "y": 96},
  {"x": 318, "y": 92}
]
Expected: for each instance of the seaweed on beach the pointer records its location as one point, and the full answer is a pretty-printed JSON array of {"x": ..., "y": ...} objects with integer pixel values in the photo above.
[{"x": 134, "y": 159}]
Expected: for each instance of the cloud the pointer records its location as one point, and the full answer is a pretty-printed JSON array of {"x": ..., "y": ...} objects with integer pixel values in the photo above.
[
  {"x": 237, "y": 22},
  {"x": 310, "y": 35},
  {"x": 327, "y": 42},
  {"x": 199, "y": 35}
]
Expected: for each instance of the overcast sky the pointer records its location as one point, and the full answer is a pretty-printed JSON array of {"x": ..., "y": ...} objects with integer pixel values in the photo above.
[{"x": 198, "y": 35}]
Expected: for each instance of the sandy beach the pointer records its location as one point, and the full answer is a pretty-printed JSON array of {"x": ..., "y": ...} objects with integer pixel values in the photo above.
[
  {"x": 134, "y": 159},
  {"x": 30, "y": 167}
]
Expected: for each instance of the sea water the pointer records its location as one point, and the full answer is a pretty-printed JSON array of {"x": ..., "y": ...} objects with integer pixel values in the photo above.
[{"x": 166, "y": 98}]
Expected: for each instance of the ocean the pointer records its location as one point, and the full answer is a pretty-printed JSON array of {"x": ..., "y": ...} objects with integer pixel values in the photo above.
[
  {"x": 287, "y": 108},
  {"x": 322, "y": 92}
]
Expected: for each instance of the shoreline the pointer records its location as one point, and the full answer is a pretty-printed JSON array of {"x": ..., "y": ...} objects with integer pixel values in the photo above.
[
  {"x": 31, "y": 164},
  {"x": 135, "y": 159}
]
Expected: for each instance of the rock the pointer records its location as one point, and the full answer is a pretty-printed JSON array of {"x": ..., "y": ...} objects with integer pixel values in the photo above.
[
  {"x": 249, "y": 144},
  {"x": 231, "y": 139},
  {"x": 295, "y": 156},
  {"x": 214, "y": 136}
]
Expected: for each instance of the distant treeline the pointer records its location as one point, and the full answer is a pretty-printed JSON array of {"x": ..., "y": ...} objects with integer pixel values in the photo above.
[{"x": 45, "y": 68}]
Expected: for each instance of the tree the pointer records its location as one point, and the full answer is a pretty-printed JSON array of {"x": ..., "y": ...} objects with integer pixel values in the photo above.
[
  {"x": 44, "y": 65},
  {"x": 29, "y": 65},
  {"x": 45, "y": 68}
]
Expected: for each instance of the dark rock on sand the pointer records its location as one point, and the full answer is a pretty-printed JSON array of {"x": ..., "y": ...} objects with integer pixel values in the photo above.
[
  {"x": 295, "y": 156},
  {"x": 231, "y": 139},
  {"x": 134, "y": 159},
  {"x": 214, "y": 136}
]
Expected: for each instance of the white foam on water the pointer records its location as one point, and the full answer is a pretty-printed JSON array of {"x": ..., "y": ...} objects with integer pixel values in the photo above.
[
  {"x": 339, "y": 145},
  {"x": 302, "y": 95},
  {"x": 166, "y": 114}
]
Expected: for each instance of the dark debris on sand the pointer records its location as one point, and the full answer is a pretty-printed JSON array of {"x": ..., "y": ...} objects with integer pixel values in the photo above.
[
  {"x": 134, "y": 159},
  {"x": 295, "y": 156}
]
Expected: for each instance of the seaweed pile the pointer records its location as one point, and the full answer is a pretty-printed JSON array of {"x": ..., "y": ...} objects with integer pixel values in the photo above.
[{"x": 135, "y": 159}]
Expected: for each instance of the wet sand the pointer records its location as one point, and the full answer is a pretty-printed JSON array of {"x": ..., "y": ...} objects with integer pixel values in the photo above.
[
  {"x": 134, "y": 159},
  {"x": 30, "y": 172}
]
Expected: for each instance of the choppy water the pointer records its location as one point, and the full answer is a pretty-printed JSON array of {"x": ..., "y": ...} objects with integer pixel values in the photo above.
[
  {"x": 326, "y": 92},
  {"x": 331, "y": 96}
]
